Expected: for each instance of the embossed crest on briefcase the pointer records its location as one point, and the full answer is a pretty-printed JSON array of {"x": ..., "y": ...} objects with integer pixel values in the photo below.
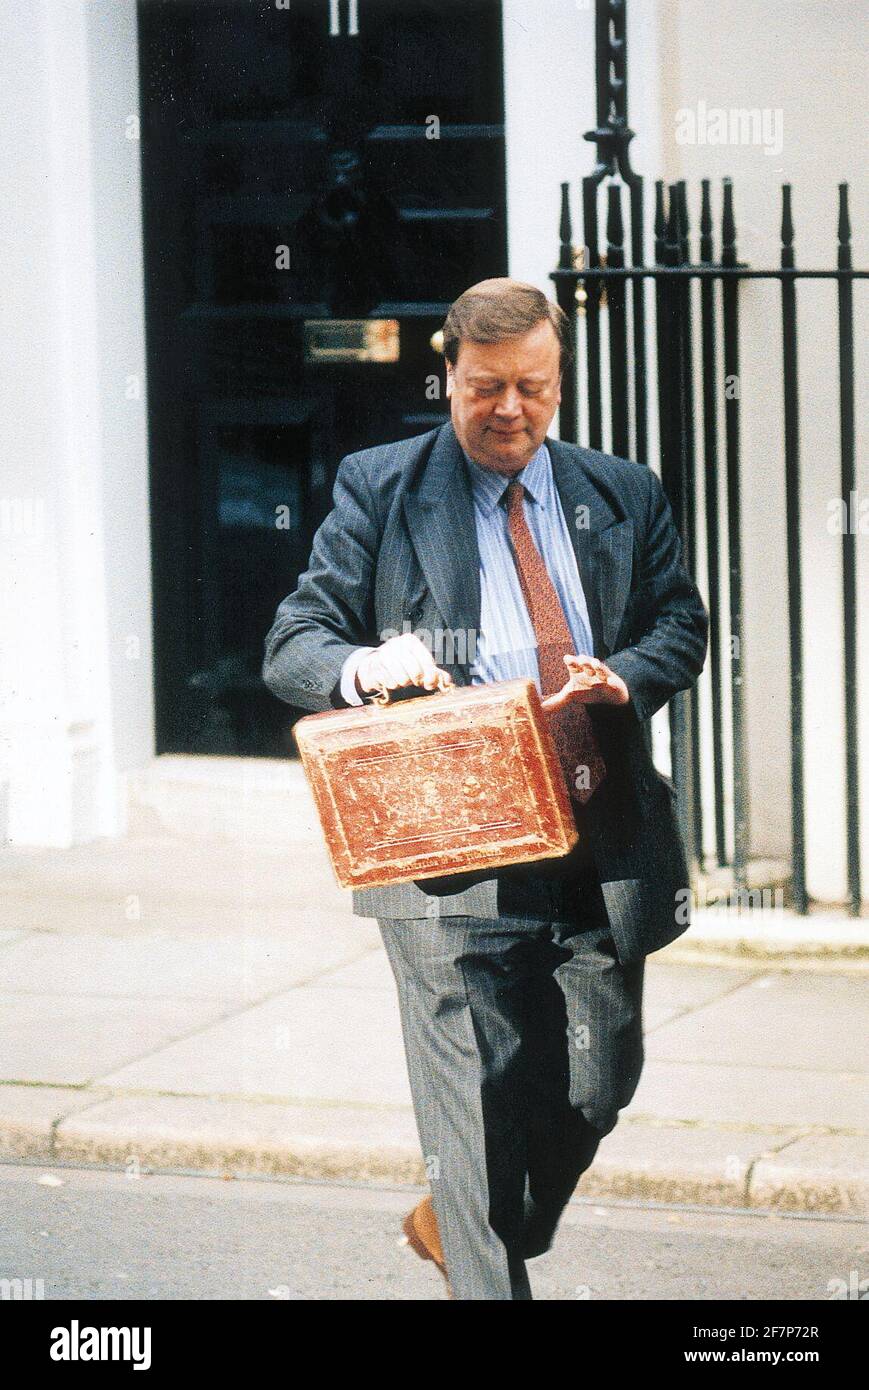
[{"x": 460, "y": 780}]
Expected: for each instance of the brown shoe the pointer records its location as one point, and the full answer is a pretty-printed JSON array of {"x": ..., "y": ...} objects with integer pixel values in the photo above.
[{"x": 420, "y": 1227}]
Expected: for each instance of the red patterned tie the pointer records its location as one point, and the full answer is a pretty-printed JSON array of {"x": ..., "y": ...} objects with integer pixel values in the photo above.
[{"x": 571, "y": 725}]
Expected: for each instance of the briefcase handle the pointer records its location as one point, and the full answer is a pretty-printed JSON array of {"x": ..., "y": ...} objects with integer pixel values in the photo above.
[{"x": 382, "y": 696}]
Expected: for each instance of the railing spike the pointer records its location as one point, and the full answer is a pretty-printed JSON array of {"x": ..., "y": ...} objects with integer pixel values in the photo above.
[
  {"x": 728, "y": 226},
  {"x": 844, "y": 229},
  {"x": 661, "y": 221},
  {"x": 565, "y": 230},
  {"x": 705, "y": 221},
  {"x": 787, "y": 228},
  {"x": 673, "y": 224},
  {"x": 684, "y": 230}
]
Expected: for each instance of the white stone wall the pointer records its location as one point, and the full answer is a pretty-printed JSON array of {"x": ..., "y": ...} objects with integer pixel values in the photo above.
[{"x": 75, "y": 691}]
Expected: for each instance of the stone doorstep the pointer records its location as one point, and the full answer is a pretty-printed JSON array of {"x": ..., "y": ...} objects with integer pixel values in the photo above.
[
  {"x": 759, "y": 933},
  {"x": 788, "y": 1171},
  {"x": 263, "y": 800}
]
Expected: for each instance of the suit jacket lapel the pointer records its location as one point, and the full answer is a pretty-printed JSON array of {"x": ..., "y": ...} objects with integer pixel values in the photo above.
[
  {"x": 603, "y": 547},
  {"x": 440, "y": 517}
]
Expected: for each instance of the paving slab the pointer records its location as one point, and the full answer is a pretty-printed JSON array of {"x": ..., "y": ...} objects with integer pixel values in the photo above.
[
  {"x": 375, "y": 1143},
  {"x": 748, "y": 1095},
  {"x": 779, "y": 1020},
  {"x": 371, "y": 971},
  {"x": 679, "y": 1163},
  {"x": 69, "y": 1041},
  {"x": 319, "y": 1044},
  {"x": 150, "y": 965},
  {"x": 672, "y": 990},
  {"x": 819, "y": 1172},
  {"x": 194, "y": 877},
  {"x": 185, "y": 917}
]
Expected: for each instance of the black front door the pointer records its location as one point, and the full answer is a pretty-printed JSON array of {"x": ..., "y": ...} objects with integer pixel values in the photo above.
[{"x": 320, "y": 181}]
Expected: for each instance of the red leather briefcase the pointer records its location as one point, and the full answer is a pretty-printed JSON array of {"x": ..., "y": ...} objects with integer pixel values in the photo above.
[{"x": 461, "y": 779}]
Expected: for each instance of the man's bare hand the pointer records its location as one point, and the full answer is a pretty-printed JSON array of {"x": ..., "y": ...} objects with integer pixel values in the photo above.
[
  {"x": 400, "y": 662},
  {"x": 591, "y": 682}
]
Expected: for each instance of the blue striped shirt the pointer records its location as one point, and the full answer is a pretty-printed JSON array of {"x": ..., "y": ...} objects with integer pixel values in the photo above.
[{"x": 506, "y": 646}]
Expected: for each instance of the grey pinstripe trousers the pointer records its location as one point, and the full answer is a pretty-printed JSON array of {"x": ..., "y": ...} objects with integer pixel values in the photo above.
[{"x": 523, "y": 1038}]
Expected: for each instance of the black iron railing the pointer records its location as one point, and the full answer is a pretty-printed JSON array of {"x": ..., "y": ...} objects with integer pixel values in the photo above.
[{"x": 605, "y": 293}]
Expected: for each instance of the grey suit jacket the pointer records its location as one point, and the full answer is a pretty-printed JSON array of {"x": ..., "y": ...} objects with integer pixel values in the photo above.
[{"x": 399, "y": 547}]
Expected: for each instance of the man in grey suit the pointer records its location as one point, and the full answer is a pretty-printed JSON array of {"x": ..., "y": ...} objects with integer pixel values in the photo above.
[{"x": 521, "y": 989}]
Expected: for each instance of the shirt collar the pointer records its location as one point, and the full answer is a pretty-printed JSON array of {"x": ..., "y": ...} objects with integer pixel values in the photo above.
[{"x": 489, "y": 487}]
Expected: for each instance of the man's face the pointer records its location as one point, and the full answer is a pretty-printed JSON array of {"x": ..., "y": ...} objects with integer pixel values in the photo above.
[{"x": 503, "y": 397}]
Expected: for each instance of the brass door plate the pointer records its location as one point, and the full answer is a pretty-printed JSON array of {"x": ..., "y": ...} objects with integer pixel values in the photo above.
[{"x": 352, "y": 340}]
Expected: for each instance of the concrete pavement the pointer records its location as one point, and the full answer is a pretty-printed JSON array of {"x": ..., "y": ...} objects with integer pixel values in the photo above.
[{"x": 211, "y": 1004}]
